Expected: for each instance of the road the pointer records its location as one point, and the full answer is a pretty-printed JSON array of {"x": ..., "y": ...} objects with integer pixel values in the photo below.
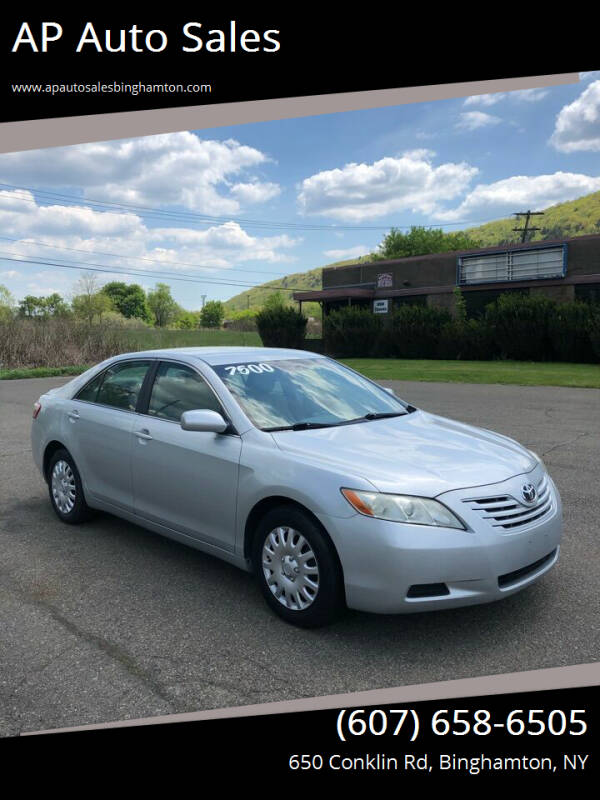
[{"x": 107, "y": 621}]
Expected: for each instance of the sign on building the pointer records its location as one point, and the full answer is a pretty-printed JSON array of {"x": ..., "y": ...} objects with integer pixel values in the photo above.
[
  {"x": 380, "y": 306},
  {"x": 385, "y": 280},
  {"x": 531, "y": 263}
]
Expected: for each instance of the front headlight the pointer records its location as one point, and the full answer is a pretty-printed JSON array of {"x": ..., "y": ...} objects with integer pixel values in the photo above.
[{"x": 402, "y": 508}]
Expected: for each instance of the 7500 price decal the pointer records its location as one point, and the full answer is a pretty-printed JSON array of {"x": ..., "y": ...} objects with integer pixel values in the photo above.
[{"x": 460, "y": 722}]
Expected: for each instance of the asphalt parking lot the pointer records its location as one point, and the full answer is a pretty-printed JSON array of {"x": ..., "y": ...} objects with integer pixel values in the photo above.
[{"x": 107, "y": 621}]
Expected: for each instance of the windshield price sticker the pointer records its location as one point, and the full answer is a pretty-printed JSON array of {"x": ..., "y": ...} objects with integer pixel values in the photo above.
[{"x": 246, "y": 369}]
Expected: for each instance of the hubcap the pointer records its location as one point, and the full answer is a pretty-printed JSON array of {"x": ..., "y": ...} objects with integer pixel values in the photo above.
[
  {"x": 290, "y": 568},
  {"x": 63, "y": 487}
]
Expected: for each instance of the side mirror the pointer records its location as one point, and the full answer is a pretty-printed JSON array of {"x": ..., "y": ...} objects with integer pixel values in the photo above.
[{"x": 203, "y": 420}]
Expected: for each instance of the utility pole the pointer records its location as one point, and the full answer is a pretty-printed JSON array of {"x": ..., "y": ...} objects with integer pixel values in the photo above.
[
  {"x": 527, "y": 229},
  {"x": 203, "y": 296}
]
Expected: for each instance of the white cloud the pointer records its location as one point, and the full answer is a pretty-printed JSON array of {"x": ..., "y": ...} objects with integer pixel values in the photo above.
[
  {"x": 474, "y": 120},
  {"x": 577, "y": 125},
  {"x": 526, "y": 95},
  {"x": 485, "y": 99},
  {"x": 519, "y": 193},
  {"x": 364, "y": 191},
  {"x": 419, "y": 154},
  {"x": 255, "y": 192},
  {"x": 94, "y": 235},
  {"x": 10, "y": 273},
  {"x": 529, "y": 95},
  {"x": 349, "y": 252},
  {"x": 172, "y": 169}
]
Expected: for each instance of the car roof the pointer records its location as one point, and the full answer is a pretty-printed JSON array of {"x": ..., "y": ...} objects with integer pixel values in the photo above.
[{"x": 223, "y": 355}]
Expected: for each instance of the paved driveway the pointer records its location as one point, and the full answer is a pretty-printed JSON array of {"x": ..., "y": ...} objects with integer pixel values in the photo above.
[{"x": 107, "y": 621}]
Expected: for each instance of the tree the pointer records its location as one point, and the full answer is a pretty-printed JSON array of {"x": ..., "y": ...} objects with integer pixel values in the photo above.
[
  {"x": 275, "y": 301},
  {"x": 188, "y": 320},
  {"x": 54, "y": 306},
  {"x": 128, "y": 299},
  {"x": 420, "y": 241},
  {"x": 51, "y": 306},
  {"x": 90, "y": 301},
  {"x": 90, "y": 306},
  {"x": 29, "y": 306},
  {"x": 212, "y": 314},
  {"x": 7, "y": 303},
  {"x": 162, "y": 305}
]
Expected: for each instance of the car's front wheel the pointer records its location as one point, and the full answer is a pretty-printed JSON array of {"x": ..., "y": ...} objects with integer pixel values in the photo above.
[
  {"x": 297, "y": 568},
  {"x": 66, "y": 490}
]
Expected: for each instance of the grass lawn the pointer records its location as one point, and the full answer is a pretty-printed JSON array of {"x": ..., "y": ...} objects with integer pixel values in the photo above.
[
  {"x": 525, "y": 373},
  {"x": 40, "y": 372}
]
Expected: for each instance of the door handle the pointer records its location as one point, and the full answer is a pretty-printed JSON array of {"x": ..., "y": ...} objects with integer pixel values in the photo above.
[
  {"x": 73, "y": 415},
  {"x": 143, "y": 434}
]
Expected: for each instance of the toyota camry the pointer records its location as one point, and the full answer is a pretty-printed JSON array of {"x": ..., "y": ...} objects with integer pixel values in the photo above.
[{"x": 332, "y": 490}]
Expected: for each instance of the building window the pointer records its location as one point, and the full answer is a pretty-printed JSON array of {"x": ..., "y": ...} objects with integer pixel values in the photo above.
[{"x": 533, "y": 263}]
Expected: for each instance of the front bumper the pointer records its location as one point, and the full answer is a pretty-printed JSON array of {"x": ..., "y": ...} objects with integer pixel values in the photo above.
[{"x": 398, "y": 568}]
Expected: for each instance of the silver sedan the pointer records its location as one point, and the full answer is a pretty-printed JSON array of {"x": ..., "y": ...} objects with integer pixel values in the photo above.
[{"x": 330, "y": 488}]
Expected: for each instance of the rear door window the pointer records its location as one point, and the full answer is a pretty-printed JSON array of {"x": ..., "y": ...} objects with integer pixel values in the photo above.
[
  {"x": 120, "y": 386},
  {"x": 89, "y": 393}
]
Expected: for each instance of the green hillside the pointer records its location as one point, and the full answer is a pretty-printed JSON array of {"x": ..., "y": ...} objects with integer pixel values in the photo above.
[
  {"x": 255, "y": 298},
  {"x": 562, "y": 221}
]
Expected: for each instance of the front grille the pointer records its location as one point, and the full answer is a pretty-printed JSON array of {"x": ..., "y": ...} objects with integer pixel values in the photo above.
[
  {"x": 506, "y": 512},
  {"x": 519, "y": 574}
]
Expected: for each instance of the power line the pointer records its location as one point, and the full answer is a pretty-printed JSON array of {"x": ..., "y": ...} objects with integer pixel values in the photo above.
[
  {"x": 185, "y": 216},
  {"x": 169, "y": 275},
  {"x": 189, "y": 216},
  {"x": 136, "y": 258}
]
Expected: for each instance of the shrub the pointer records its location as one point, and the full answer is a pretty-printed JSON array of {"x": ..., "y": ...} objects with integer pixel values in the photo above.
[
  {"x": 469, "y": 340},
  {"x": 519, "y": 326},
  {"x": 212, "y": 314},
  {"x": 113, "y": 319},
  {"x": 242, "y": 320},
  {"x": 281, "y": 327},
  {"x": 569, "y": 333},
  {"x": 56, "y": 342},
  {"x": 187, "y": 320},
  {"x": 415, "y": 332},
  {"x": 593, "y": 328},
  {"x": 352, "y": 332}
]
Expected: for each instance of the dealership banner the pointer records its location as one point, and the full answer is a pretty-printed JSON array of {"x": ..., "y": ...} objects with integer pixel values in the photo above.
[
  {"x": 206, "y": 151},
  {"x": 523, "y": 738},
  {"x": 60, "y": 64}
]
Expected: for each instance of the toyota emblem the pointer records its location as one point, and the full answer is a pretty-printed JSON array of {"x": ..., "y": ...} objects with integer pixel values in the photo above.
[{"x": 528, "y": 492}]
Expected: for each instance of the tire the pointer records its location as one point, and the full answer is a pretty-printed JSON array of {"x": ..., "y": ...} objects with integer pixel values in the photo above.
[
  {"x": 297, "y": 568},
  {"x": 66, "y": 490}
]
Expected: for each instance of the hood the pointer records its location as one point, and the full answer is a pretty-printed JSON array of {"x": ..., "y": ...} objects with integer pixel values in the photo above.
[{"x": 419, "y": 453}]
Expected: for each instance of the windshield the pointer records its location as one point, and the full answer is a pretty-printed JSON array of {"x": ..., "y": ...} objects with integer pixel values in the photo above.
[{"x": 305, "y": 393}]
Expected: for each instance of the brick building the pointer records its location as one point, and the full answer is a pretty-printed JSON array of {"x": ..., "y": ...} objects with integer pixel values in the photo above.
[{"x": 562, "y": 270}]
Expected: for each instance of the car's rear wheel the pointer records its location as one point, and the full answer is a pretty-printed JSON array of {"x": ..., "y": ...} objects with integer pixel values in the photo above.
[
  {"x": 297, "y": 568},
  {"x": 66, "y": 490}
]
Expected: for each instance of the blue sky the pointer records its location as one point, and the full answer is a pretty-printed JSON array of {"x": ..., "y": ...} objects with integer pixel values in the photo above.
[{"x": 231, "y": 206}]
